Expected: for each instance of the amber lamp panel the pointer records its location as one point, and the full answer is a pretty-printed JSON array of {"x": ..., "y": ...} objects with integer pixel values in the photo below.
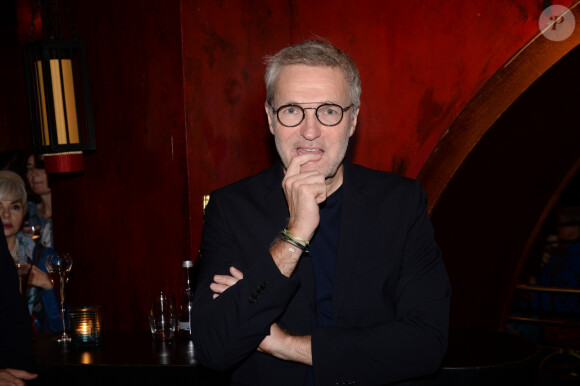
[{"x": 59, "y": 97}]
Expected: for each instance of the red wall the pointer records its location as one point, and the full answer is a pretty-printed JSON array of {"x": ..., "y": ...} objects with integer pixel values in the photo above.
[
  {"x": 14, "y": 129},
  {"x": 178, "y": 102},
  {"x": 126, "y": 218}
]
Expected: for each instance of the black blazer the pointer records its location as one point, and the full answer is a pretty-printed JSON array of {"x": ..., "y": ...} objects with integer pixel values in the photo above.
[
  {"x": 15, "y": 322},
  {"x": 390, "y": 299}
]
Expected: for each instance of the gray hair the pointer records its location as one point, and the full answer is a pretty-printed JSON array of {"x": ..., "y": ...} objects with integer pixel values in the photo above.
[
  {"x": 313, "y": 53},
  {"x": 12, "y": 185}
]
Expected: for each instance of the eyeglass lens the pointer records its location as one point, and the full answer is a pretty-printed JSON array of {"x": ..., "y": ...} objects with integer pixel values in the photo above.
[{"x": 327, "y": 114}]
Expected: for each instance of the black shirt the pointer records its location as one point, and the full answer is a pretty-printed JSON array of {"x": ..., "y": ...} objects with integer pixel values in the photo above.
[{"x": 323, "y": 251}]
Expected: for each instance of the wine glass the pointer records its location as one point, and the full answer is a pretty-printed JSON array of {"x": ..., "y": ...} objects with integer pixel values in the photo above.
[
  {"x": 59, "y": 266},
  {"x": 36, "y": 231}
]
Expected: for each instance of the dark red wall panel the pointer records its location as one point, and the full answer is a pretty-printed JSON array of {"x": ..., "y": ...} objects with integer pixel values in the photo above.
[
  {"x": 126, "y": 218},
  {"x": 14, "y": 128}
]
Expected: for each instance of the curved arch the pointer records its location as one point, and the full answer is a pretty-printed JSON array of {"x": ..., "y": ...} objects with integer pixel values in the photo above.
[
  {"x": 497, "y": 199},
  {"x": 522, "y": 70}
]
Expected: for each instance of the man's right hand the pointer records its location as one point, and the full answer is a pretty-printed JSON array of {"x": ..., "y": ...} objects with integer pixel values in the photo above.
[
  {"x": 282, "y": 345},
  {"x": 14, "y": 377},
  {"x": 304, "y": 191}
]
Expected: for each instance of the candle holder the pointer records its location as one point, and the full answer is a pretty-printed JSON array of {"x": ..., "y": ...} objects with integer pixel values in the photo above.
[{"x": 86, "y": 326}]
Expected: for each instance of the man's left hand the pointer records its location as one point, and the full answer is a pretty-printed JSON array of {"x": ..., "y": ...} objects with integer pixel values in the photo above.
[{"x": 279, "y": 343}]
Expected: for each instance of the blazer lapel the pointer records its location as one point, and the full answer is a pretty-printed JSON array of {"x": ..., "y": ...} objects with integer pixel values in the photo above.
[
  {"x": 353, "y": 213},
  {"x": 275, "y": 199}
]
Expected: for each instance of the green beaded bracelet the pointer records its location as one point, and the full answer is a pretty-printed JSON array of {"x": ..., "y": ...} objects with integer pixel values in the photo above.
[{"x": 290, "y": 240}]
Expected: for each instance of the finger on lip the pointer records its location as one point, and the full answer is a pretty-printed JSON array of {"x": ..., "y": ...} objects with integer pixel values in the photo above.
[
  {"x": 301, "y": 159},
  {"x": 306, "y": 157}
]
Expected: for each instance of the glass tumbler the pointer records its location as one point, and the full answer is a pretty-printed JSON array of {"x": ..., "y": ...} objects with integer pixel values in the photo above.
[{"x": 162, "y": 319}]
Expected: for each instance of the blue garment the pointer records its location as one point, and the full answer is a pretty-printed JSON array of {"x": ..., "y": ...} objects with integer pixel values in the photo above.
[{"x": 42, "y": 304}]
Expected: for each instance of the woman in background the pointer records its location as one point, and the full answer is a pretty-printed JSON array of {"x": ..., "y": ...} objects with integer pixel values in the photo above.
[
  {"x": 40, "y": 213},
  {"x": 40, "y": 297}
]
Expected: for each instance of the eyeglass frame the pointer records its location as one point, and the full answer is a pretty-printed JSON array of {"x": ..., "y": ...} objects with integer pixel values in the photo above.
[{"x": 343, "y": 110}]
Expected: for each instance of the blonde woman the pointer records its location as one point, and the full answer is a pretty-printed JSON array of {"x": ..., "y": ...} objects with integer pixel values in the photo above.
[{"x": 40, "y": 297}]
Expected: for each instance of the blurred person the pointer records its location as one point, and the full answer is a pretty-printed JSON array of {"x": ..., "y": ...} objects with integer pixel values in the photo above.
[
  {"x": 563, "y": 267},
  {"x": 15, "y": 331},
  {"x": 40, "y": 213},
  {"x": 40, "y": 297},
  {"x": 568, "y": 226}
]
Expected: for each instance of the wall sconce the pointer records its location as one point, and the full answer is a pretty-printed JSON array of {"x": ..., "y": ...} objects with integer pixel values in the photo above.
[{"x": 57, "y": 83}]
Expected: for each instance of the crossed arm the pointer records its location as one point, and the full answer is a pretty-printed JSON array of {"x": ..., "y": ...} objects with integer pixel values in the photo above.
[
  {"x": 278, "y": 343},
  {"x": 303, "y": 191},
  {"x": 408, "y": 343}
]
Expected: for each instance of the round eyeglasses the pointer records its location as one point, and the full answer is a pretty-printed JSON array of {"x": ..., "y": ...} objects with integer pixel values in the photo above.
[{"x": 328, "y": 114}]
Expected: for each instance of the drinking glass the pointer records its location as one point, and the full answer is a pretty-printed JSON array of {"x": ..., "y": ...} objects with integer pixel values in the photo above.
[
  {"x": 23, "y": 266},
  {"x": 162, "y": 317},
  {"x": 59, "y": 266},
  {"x": 36, "y": 231}
]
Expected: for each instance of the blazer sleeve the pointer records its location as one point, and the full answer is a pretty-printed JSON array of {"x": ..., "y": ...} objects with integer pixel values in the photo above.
[
  {"x": 414, "y": 342},
  {"x": 230, "y": 328},
  {"x": 15, "y": 322}
]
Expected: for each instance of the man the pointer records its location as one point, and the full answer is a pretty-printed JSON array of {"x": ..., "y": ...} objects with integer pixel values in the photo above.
[{"x": 318, "y": 271}]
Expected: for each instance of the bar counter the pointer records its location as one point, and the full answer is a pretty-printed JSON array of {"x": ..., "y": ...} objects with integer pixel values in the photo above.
[
  {"x": 123, "y": 358},
  {"x": 133, "y": 358}
]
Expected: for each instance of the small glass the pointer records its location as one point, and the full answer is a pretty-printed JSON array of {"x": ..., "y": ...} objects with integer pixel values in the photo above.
[
  {"x": 23, "y": 267},
  {"x": 36, "y": 231},
  {"x": 85, "y": 326},
  {"x": 162, "y": 318}
]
